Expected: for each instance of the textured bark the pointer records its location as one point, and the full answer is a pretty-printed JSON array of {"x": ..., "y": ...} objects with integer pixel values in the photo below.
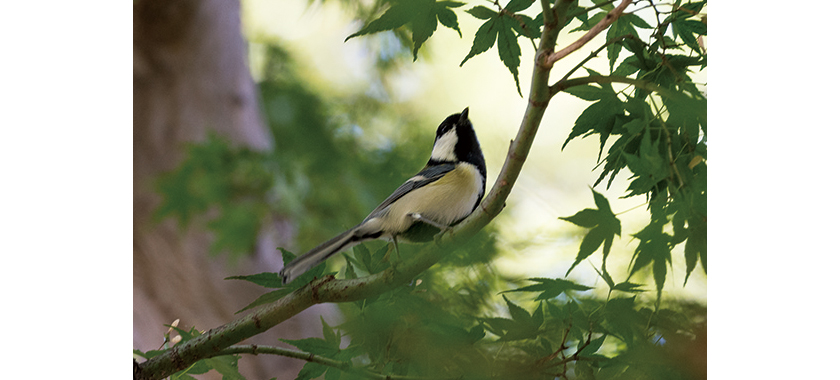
[{"x": 191, "y": 77}]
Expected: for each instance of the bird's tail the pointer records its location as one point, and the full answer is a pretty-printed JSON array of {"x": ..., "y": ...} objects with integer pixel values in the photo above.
[{"x": 319, "y": 254}]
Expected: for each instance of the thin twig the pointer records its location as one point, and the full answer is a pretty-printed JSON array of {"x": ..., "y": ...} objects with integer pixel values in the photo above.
[
  {"x": 598, "y": 28},
  {"x": 254, "y": 349},
  {"x": 595, "y": 54},
  {"x": 596, "y": 6}
]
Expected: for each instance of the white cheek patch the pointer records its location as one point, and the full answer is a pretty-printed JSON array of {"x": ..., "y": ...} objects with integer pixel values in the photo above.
[{"x": 444, "y": 149}]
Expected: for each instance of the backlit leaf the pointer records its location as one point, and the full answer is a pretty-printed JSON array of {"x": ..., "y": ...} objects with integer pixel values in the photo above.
[
  {"x": 606, "y": 226},
  {"x": 586, "y": 218},
  {"x": 550, "y": 288},
  {"x": 397, "y": 15},
  {"x": 482, "y": 13},
  {"x": 518, "y": 5},
  {"x": 509, "y": 50},
  {"x": 484, "y": 39},
  {"x": 421, "y": 17}
]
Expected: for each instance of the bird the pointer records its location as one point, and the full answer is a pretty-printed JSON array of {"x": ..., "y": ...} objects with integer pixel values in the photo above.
[{"x": 447, "y": 190}]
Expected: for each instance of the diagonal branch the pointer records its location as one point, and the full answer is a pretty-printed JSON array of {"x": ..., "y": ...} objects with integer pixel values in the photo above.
[{"x": 598, "y": 28}]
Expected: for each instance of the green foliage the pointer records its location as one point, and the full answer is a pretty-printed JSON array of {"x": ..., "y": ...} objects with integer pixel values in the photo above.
[
  {"x": 273, "y": 280},
  {"x": 460, "y": 319},
  {"x": 504, "y": 26},
  {"x": 410, "y": 332},
  {"x": 327, "y": 347},
  {"x": 420, "y": 16},
  {"x": 659, "y": 137},
  {"x": 234, "y": 191},
  {"x": 604, "y": 226},
  {"x": 225, "y": 178},
  {"x": 550, "y": 288}
]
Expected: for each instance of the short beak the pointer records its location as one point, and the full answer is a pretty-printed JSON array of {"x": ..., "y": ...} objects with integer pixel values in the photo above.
[{"x": 464, "y": 115}]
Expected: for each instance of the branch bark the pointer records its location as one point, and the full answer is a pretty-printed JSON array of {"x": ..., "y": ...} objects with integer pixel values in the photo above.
[
  {"x": 254, "y": 349},
  {"x": 598, "y": 28}
]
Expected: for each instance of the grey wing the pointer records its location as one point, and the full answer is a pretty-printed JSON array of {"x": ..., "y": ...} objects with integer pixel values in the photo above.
[{"x": 428, "y": 175}]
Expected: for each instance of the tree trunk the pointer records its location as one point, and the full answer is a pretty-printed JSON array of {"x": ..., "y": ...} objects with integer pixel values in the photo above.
[{"x": 191, "y": 77}]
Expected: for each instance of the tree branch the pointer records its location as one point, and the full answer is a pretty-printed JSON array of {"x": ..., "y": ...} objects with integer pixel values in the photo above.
[
  {"x": 255, "y": 349},
  {"x": 595, "y": 54},
  {"x": 325, "y": 289},
  {"x": 598, "y": 28}
]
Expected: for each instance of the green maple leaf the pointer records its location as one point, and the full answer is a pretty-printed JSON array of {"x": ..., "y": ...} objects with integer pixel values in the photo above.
[
  {"x": 550, "y": 288},
  {"x": 522, "y": 325},
  {"x": 265, "y": 279},
  {"x": 601, "y": 117},
  {"x": 327, "y": 347},
  {"x": 502, "y": 29},
  {"x": 499, "y": 28},
  {"x": 604, "y": 226},
  {"x": 420, "y": 16},
  {"x": 654, "y": 248},
  {"x": 622, "y": 26}
]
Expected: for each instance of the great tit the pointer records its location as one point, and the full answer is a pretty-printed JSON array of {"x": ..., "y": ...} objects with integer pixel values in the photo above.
[{"x": 445, "y": 192}]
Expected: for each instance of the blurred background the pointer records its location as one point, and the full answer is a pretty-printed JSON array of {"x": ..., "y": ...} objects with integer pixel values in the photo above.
[{"x": 257, "y": 126}]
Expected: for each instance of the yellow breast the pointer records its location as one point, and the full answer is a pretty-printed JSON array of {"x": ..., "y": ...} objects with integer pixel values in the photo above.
[{"x": 445, "y": 201}]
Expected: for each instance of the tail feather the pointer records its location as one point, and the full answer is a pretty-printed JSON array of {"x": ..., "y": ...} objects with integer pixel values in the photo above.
[{"x": 319, "y": 254}]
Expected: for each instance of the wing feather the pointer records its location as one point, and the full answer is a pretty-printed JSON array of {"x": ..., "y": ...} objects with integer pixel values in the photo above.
[{"x": 426, "y": 176}]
